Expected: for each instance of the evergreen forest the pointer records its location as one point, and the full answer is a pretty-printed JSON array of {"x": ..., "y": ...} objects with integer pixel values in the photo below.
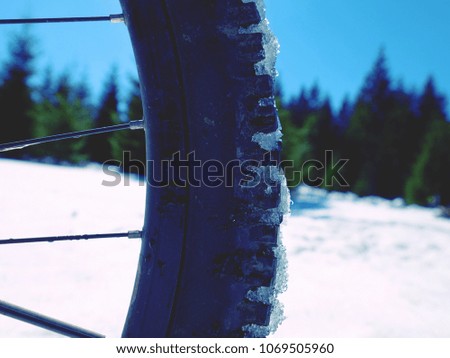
[{"x": 394, "y": 141}]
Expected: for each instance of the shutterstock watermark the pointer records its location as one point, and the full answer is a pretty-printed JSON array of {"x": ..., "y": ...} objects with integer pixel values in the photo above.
[
  {"x": 317, "y": 173},
  {"x": 188, "y": 170}
]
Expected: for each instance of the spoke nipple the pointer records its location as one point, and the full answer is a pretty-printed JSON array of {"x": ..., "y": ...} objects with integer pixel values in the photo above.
[
  {"x": 115, "y": 19},
  {"x": 137, "y": 124},
  {"x": 135, "y": 234}
]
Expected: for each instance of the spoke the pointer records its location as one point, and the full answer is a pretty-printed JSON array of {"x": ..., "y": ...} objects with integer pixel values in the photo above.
[
  {"x": 46, "y": 322},
  {"x": 47, "y": 20},
  {"x": 134, "y": 234},
  {"x": 57, "y": 137}
]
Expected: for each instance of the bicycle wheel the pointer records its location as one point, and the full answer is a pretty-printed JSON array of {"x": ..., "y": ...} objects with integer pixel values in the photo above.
[{"x": 210, "y": 249}]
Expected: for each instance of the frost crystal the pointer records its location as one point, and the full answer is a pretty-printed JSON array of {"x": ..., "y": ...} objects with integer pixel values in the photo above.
[
  {"x": 285, "y": 203},
  {"x": 268, "y": 141},
  {"x": 270, "y": 42},
  {"x": 266, "y": 102},
  {"x": 268, "y": 295}
]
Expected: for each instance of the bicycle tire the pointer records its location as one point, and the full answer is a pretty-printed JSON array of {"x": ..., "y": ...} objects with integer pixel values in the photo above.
[{"x": 209, "y": 255}]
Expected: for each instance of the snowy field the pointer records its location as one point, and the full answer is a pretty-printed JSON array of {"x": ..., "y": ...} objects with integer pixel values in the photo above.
[{"x": 357, "y": 267}]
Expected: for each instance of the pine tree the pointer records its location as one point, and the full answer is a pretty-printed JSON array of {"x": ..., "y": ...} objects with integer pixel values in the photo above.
[
  {"x": 317, "y": 136},
  {"x": 431, "y": 103},
  {"x": 100, "y": 146},
  {"x": 16, "y": 93},
  {"x": 344, "y": 115},
  {"x": 363, "y": 136},
  {"x": 397, "y": 146},
  {"x": 291, "y": 142},
  {"x": 308, "y": 101},
  {"x": 61, "y": 111},
  {"x": 292, "y": 148},
  {"x": 431, "y": 175},
  {"x": 430, "y": 108},
  {"x": 129, "y": 146}
]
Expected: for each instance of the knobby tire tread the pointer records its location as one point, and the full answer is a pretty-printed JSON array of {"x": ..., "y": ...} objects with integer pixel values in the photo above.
[{"x": 204, "y": 249}]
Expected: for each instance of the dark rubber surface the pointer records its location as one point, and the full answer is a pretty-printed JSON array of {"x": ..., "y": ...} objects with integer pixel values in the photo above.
[{"x": 204, "y": 248}]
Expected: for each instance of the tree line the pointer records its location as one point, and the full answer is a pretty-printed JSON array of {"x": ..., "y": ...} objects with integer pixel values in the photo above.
[
  {"x": 395, "y": 140},
  {"x": 58, "y": 104}
]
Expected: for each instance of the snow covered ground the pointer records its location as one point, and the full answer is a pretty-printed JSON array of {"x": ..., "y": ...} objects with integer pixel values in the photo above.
[
  {"x": 365, "y": 268},
  {"x": 357, "y": 267}
]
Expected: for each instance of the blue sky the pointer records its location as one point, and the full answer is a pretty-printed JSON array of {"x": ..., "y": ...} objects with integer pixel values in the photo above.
[
  {"x": 329, "y": 42},
  {"x": 335, "y": 42}
]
